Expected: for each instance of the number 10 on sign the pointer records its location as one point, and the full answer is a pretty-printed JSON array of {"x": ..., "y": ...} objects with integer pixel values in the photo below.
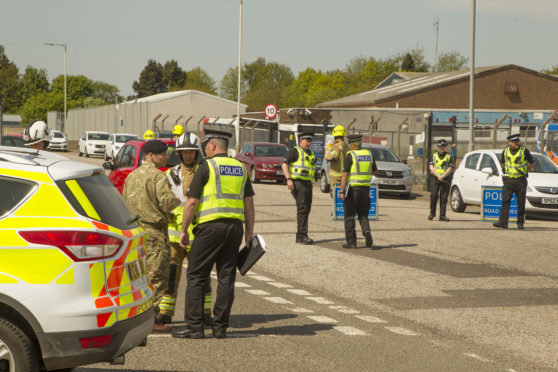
[{"x": 270, "y": 111}]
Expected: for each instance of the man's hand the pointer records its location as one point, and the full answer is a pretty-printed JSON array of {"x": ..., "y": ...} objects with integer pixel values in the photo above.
[
  {"x": 248, "y": 237},
  {"x": 290, "y": 185},
  {"x": 184, "y": 239},
  {"x": 441, "y": 178},
  {"x": 342, "y": 195}
]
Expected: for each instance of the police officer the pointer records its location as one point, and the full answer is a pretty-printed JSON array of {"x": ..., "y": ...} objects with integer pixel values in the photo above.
[
  {"x": 148, "y": 135},
  {"x": 336, "y": 155},
  {"x": 180, "y": 177},
  {"x": 37, "y": 135},
  {"x": 517, "y": 162},
  {"x": 299, "y": 167},
  {"x": 359, "y": 166},
  {"x": 220, "y": 197},
  {"x": 441, "y": 168},
  {"x": 148, "y": 193}
]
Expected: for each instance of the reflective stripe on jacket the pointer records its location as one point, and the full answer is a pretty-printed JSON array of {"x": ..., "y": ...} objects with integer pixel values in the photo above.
[
  {"x": 516, "y": 165},
  {"x": 441, "y": 165},
  {"x": 303, "y": 168},
  {"x": 361, "y": 168}
]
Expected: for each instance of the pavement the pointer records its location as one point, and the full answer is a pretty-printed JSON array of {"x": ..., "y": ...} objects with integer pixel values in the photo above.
[{"x": 431, "y": 295}]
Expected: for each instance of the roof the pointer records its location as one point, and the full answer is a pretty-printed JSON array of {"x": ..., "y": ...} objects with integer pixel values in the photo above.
[
  {"x": 8, "y": 118},
  {"x": 400, "y": 76},
  {"x": 417, "y": 84},
  {"x": 170, "y": 95}
]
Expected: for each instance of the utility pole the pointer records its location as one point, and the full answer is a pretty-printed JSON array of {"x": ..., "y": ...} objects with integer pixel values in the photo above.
[
  {"x": 237, "y": 129},
  {"x": 472, "y": 77},
  {"x": 436, "y": 27}
]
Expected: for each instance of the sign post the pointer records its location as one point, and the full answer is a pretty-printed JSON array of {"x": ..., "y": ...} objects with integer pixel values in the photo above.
[
  {"x": 339, "y": 212},
  {"x": 270, "y": 111},
  {"x": 491, "y": 203}
]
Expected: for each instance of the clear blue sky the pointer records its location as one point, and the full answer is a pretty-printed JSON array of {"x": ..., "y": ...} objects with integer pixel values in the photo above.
[{"x": 111, "y": 40}]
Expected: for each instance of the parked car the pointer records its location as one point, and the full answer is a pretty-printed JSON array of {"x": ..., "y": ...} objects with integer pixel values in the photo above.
[
  {"x": 115, "y": 143},
  {"x": 482, "y": 167},
  {"x": 58, "y": 141},
  {"x": 263, "y": 160},
  {"x": 393, "y": 176},
  {"x": 130, "y": 157},
  {"x": 73, "y": 285},
  {"x": 163, "y": 135},
  {"x": 93, "y": 143},
  {"x": 13, "y": 140}
]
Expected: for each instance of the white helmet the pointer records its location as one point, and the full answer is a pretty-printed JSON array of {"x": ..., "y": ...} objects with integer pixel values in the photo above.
[
  {"x": 35, "y": 132},
  {"x": 188, "y": 141}
]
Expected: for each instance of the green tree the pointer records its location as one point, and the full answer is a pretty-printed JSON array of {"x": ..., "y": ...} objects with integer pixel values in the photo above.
[
  {"x": 408, "y": 64},
  {"x": 174, "y": 77},
  {"x": 296, "y": 92},
  {"x": 327, "y": 87},
  {"x": 417, "y": 55},
  {"x": 551, "y": 71},
  {"x": 450, "y": 61},
  {"x": 150, "y": 80},
  {"x": 9, "y": 83},
  {"x": 33, "y": 81},
  {"x": 37, "y": 106},
  {"x": 199, "y": 79},
  {"x": 107, "y": 93},
  {"x": 229, "y": 84},
  {"x": 78, "y": 87}
]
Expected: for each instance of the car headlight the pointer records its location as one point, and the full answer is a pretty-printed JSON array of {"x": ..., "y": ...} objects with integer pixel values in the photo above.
[
  {"x": 530, "y": 189},
  {"x": 407, "y": 173}
]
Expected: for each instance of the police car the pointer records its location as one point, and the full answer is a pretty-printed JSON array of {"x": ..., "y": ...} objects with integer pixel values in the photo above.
[
  {"x": 482, "y": 167},
  {"x": 73, "y": 286}
]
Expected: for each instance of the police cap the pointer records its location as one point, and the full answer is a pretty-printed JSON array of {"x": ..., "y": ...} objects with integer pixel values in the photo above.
[
  {"x": 514, "y": 138},
  {"x": 155, "y": 146},
  {"x": 354, "y": 138},
  {"x": 307, "y": 136},
  {"x": 213, "y": 133},
  {"x": 442, "y": 143}
]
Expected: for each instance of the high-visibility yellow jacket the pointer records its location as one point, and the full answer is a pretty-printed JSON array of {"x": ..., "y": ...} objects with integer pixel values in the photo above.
[
  {"x": 361, "y": 168},
  {"x": 303, "y": 168}
]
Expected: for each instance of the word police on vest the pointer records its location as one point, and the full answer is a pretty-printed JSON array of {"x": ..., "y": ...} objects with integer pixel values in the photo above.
[
  {"x": 363, "y": 158},
  {"x": 231, "y": 170}
]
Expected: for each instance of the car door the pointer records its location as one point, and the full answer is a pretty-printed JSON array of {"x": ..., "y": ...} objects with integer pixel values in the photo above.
[
  {"x": 481, "y": 178},
  {"x": 108, "y": 147},
  {"x": 467, "y": 178},
  {"x": 81, "y": 145},
  {"x": 124, "y": 163}
]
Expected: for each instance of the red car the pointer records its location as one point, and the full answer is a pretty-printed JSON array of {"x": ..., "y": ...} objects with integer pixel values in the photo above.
[
  {"x": 263, "y": 160},
  {"x": 130, "y": 157}
]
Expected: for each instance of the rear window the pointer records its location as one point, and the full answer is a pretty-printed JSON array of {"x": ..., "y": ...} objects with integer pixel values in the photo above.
[
  {"x": 97, "y": 198},
  {"x": 14, "y": 191},
  {"x": 12, "y": 141}
]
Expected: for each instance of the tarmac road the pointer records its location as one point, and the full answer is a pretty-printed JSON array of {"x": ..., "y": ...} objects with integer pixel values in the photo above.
[{"x": 433, "y": 295}]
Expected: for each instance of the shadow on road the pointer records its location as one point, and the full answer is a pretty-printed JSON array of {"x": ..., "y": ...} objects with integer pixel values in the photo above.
[
  {"x": 291, "y": 330},
  {"x": 391, "y": 246},
  {"x": 248, "y": 320}
]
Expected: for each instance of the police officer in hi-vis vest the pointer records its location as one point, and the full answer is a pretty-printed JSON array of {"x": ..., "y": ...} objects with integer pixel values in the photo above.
[
  {"x": 358, "y": 168},
  {"x": 516, "y": 161},
  {"x": 220, "y": 198},
  {"x": 299, "y": 167},
  {"x": 441, "y": 168}
]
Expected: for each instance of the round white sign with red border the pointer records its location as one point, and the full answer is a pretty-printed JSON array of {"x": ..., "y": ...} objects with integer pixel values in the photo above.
[{"x": 270, "y": 111}]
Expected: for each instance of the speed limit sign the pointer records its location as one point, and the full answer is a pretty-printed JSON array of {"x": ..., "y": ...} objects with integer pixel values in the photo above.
[{"x": 270, "y": 111}]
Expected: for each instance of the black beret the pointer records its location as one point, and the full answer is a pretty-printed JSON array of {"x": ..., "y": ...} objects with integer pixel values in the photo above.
[
  {"x": 213, "y": 133},
  {"x": 354, "y": 138},
  {"x": 155, "y": 146},
  {"x": 514, "y": 137}
]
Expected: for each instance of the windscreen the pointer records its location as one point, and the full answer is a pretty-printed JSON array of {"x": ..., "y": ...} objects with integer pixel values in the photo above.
[
  {"x": 544, "y": 165},
  {"x": 270, "y": 151},
  {"x": 122, "y": 138},
  {"x": 98, "y": 136},
  {"x": 383, "y": 155},
  {"x": 58, "y": 135}
]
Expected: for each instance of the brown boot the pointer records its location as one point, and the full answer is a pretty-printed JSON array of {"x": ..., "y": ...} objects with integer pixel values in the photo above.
[{"x": 161, "y": 328}]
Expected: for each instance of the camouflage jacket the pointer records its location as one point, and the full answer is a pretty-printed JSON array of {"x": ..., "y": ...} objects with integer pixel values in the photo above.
[{"x": 148, "y": 193}]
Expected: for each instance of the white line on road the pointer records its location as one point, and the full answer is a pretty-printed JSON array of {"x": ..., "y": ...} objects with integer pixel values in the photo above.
[
  {"x": 278, "y": 300},
  {"x": 257, "y": 292},
  {"x": 344, "y": 309},
  {"x": 251, "y": 273},
  {"x": 300, "y": 292},
  {"x": 402, "y": 331},
  {"x": 300, "y": 310},
  {"x": 262, "y": 278},
  {"x": 350, "y": 331},
  {"x": 320, "y": 300},
  {"x": 477, "y": 357},
  {"x": 321, "y": 319},
  {"x": 370, "y": 319},
  {"x": 279, "y": 285},
  {"x": 241, "y": 285}
]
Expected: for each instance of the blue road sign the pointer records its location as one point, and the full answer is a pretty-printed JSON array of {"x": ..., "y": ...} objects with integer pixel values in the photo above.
[
  {"x": 339, "y": 212},
  {"x": 491, "y": 202}
]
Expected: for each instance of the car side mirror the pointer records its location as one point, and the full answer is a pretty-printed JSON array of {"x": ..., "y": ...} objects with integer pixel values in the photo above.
[
  {"x": 247, "y": 153},
  {"x": 108, "y": 165},
  {"x": 488, "y": 171},
  {"x": 404, "y": 161}
]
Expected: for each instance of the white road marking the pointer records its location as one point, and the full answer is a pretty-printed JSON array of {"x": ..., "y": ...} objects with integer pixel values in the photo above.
[
  {"x": 402, "y": 331},
  {"x": 344, "y": 309},
  {"x": 280, "y": 285},
  {"x": 257, "y": 292},
  {"x": 159, "y": 335},
  {"x": 251, "y": 273},
  {"x": 350, "y": 331},
  {"x": 300, "y": 310},
  {"x": 300, "y": 292},
  {"x": 262, "y": 278},
  {"x": 477, "y": 357},
  {"x": 370, "y": 319},
  {"x": 241, "y": 285},
  {"x": 320, "y": 300},
  {"x": 322, "y": 319},
  {"x": 278, "y": 300}
]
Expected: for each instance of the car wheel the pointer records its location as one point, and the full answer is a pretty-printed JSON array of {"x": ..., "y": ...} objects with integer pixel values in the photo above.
[
  {"x": 324, "y": 185},
  {"x": 456, "y": 201},
  {"x": 17, "y": 351},
  {"x": 80, "y": 153},
  {"x": 86, "y": 153},
  {"x": 406, "y": 195},
  {"x": 253, "y": 178},
  {"x": 106, "y": 157}
]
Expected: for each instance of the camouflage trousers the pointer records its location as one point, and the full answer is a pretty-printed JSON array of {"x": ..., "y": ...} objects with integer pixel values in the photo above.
[{"x": 156, "y": 245}]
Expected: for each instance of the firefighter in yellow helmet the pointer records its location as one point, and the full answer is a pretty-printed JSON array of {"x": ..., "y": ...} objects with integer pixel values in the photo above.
[
  {"x": 336, "y": 155},
  {"x": 148, "y": 135},
  {"x": 177, "y": 131},
  {"x": 180, "y": 177}
]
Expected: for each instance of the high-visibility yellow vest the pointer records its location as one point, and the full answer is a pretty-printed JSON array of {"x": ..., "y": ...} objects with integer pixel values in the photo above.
[
  {"x": 223, "y": 194},
  {"x": 303, "y": 168},
  {"x": 441, "y": 164},
  {"x": 516, "y": 165},
  {"x": 361, "y": 168},
  {"x": 175, "y": 225}
]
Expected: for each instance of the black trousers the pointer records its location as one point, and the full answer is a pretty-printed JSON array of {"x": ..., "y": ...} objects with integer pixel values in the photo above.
[
  {"x": 303, "y": 196},
  {"x": 357, "y": 202},
  {"x": 216, "y": 242},
  {"x": 442, "y": 189},
  {"x": 511, "y": 186}
]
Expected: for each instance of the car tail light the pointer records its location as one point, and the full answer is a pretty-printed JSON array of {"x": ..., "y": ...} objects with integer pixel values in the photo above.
[
  {"x": 95, "y": 342},
  {"x": 78, "y": 245}
]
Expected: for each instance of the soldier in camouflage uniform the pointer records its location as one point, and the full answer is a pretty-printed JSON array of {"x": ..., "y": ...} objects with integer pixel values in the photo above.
[
  {"x": 148, "y": 193},
  {"x": 335, "y": 155}
]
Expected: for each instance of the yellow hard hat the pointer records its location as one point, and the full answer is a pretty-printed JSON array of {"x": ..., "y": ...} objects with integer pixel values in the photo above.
[
  {"x": 338, "y": 131},
  {"x": 149, "y": 134},
  {"x": 177, "y": 130}
]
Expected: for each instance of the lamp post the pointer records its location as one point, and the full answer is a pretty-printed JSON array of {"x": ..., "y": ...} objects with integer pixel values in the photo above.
[
  {"x": 237, "y": 129},
  {"x": 65, "y": 96},
  {"x": 472, "y": 77}
]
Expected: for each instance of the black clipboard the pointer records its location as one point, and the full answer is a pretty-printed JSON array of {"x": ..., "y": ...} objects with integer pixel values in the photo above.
[{"x": 250, "y": 254}]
